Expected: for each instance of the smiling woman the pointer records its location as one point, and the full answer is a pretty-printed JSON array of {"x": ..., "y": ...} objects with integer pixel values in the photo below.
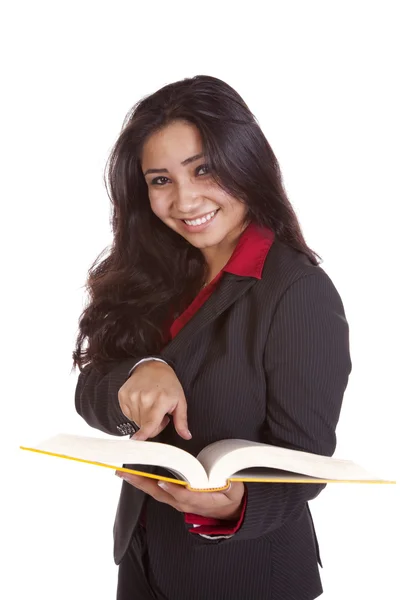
[
  {"x": 207, "y": 151},
  {"x": 210, "y": 319},
  {"x": 188, "y": 200}
]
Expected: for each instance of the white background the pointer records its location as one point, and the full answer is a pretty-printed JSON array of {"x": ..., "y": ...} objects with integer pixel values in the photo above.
[{"x": 321, "y": 79}]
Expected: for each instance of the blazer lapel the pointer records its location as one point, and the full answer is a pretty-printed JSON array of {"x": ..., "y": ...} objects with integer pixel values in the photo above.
[{"x": 230, "y": 288}]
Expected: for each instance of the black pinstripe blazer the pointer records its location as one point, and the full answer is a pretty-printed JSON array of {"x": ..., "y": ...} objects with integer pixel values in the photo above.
[{"x": 265, "y": 360}]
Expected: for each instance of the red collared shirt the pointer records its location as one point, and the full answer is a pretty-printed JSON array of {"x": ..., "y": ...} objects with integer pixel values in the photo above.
[{"x": 247, "y": 260}]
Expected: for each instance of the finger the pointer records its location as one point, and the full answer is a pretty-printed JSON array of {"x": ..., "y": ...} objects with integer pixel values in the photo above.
[
  {"x": 136, "y": 420},
  {"x": 178, "y": 492},
  {"x": 179, "y": 416},
  {"x": 162, "y": 426},
  {"x": 126, "y": 411},
  {"x": 152, "y": 421},
  {"x": 146, "y": 484},
  {"x": 142, "y": 483},
  {"x": 125, "y": 404},
  {"x": 149, "y": 486},
  {"x": 189, "y": 501}
]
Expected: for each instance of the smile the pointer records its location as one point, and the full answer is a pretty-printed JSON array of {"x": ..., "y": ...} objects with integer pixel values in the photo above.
[{"x": 202, "y": 220}]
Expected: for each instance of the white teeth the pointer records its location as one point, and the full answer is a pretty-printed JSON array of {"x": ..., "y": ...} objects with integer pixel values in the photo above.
[{"x": 202, "y": 220}]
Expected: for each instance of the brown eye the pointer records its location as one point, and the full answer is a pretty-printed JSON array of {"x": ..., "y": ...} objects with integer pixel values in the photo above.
[
  {"x": 155, "y": 181},
  {"x": 203, "y": 167}
]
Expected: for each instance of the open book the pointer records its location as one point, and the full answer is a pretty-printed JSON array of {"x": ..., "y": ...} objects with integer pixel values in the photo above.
[{"x": 214, "y": 467}]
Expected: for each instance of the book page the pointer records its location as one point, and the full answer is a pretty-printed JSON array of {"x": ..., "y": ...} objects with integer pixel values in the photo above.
[
  {"x": 227, "y": 457},
  {"x": 118, "y": 451},
  {"x": 267, "y": 474}
]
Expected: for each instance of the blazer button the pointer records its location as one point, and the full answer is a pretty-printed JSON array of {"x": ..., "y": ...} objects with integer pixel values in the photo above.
[{"x": 126, "y": 429}]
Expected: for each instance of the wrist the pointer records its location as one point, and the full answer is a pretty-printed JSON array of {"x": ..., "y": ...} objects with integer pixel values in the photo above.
[
  {"x": 151, "y": 359},
  {"x": 234, "y": 514}
]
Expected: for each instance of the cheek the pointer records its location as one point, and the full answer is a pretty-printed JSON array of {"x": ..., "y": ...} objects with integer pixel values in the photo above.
[
  {"x": 242, "y": 211},
  {"x": 234, "y": 209},
  {"x": 229, "y": 204},
  {"x": 159, "y": 206}
]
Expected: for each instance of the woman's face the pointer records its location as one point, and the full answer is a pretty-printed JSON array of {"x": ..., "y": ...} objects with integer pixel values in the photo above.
[{"x": 182, "y": 193}]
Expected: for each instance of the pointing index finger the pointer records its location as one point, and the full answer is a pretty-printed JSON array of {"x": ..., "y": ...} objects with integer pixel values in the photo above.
[{"x": 152, "y": 425}]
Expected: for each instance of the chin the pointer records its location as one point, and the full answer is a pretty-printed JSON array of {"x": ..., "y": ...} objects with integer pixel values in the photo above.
[{"x": 203, "y": 244}]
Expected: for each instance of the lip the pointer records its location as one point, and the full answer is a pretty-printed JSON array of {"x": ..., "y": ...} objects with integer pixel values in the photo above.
[
  {"x": 201, "y": 216},
  {"x": 198, "y": 228}
]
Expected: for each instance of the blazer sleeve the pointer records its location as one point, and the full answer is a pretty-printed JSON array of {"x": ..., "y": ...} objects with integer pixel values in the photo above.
[
  {"x": 307, "y": 365},
  {"x": 96, "y": 396}
]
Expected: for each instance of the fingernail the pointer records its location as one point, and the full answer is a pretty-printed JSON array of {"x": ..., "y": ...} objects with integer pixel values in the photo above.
[
  {"x": 139, "y": 437},
  {"x": 188, "y": 433},
  {"x": 163, "y": 485},
  {"x": 118, "y": 473}
]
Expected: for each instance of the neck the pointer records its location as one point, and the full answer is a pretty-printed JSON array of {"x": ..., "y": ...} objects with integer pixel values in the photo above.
[{"x": 218, "y": 256}]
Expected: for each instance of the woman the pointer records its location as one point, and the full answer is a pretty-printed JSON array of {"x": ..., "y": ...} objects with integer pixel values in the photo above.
[{"x": 210, "y": 319}]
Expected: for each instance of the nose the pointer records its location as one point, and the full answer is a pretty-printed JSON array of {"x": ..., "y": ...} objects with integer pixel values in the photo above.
[{"x": 187, "y": 199}]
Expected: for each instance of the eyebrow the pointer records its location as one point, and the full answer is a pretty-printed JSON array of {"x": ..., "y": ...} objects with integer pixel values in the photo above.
[{"x": 187, "y": 161}]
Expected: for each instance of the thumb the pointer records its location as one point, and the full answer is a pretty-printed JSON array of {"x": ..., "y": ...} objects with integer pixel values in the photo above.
[
  {"x": 235, "y": 491},
  {"x": 179, "y": 416}
]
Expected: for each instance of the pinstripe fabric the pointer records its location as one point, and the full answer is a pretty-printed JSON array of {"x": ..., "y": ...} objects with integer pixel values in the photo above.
[{"x": 265, "y": 360}]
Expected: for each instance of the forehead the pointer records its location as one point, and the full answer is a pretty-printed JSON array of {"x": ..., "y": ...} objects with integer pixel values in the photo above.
[{"x": 175, "y": 141}]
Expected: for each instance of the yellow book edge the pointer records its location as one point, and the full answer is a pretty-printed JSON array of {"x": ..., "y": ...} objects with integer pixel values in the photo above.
[{"x": 219, "y": 489}]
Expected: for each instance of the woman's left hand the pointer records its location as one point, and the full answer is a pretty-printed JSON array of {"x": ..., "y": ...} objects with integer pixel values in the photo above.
[{"x": 218, "y": 505}]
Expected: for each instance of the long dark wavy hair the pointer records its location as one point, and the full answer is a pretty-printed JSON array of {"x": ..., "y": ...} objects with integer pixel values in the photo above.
[{"x": 150, "y": 268}]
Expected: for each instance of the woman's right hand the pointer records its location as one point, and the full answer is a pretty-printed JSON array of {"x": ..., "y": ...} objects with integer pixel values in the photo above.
[{"x": 151, "y": 393}]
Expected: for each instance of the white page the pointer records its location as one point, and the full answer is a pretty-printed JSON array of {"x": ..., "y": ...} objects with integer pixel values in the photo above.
[
  {"x": 224, "y": 458},
  {"x": 116, "y": 451}
]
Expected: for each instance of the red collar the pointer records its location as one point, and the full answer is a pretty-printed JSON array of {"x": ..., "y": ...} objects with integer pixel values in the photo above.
[
  {"x": 247, "y": 260},
  {"x": 250, "y": 253}
]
